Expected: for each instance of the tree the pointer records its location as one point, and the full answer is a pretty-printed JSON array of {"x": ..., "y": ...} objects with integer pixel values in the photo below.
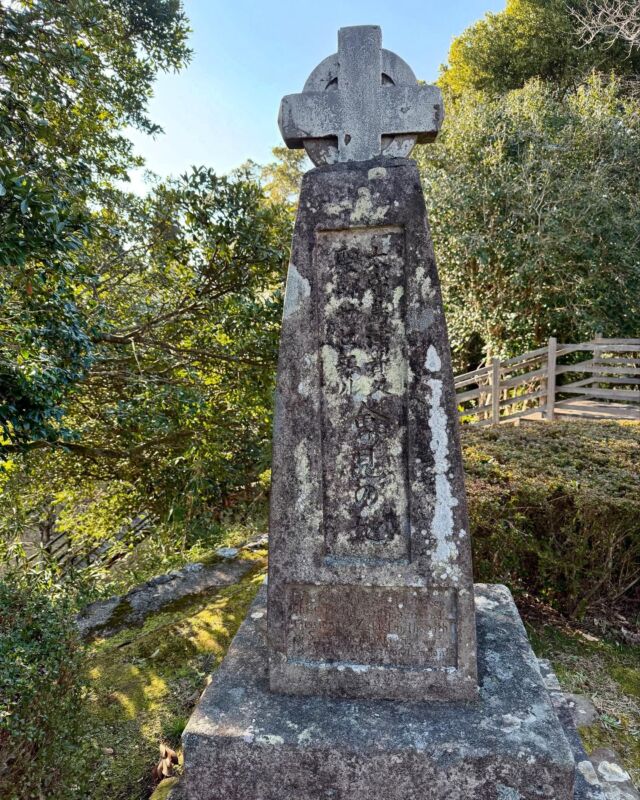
[
  {"x": 610, "y": 20},
  {"x": 534, "y": 202},
  {"x": 282, "y": 177},
  {"x": 73, "y": 76},
  {"x": 531, "y": 39},
  {"x": 174, "y": 412}
]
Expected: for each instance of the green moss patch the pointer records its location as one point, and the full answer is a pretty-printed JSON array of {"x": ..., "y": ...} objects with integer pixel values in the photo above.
[
  {"x": 164, "y": 789},
  {"x": 145, "y": 681}
]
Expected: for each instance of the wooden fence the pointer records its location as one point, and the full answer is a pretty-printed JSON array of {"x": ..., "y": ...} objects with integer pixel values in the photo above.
[
  {"x": 555, "y": 379},
  {"x": 67, "y": 555}
]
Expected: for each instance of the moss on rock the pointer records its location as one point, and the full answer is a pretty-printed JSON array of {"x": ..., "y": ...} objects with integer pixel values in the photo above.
[
  {"x": 145, "y": 680},
  {"x": 166, "y": 789}
]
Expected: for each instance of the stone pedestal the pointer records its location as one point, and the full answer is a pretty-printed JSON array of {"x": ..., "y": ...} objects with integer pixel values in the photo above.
[{"x": 246, "y": 743}]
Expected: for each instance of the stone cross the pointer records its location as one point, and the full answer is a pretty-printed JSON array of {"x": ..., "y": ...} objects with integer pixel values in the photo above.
[
  {"x": 360, "y": 103},
  {"x": 370, "y": 583},
  {"x": 370, "y": 591}
]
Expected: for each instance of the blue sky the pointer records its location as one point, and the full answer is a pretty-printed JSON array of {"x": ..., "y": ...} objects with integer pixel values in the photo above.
[{"x": 222, "y": 109}]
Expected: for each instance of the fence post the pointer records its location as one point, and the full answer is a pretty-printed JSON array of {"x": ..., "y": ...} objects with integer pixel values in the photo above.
[
  {"x": 551, "y": 378},
  {"x": 597, "y": 355},
  {"x": 495, "y": 391}
]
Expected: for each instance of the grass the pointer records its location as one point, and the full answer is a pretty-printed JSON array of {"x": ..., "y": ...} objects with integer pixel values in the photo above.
[
  {"x": 555, "y": 510},
  {"x": 145, "y": 681},
  {"x": 607, "y": 672}
]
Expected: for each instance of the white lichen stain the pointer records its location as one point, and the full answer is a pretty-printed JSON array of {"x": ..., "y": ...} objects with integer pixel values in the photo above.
[
  {"x": 302, "y": 466},
  {"x": 334, "y": 303},
  {"x": 586, "y": 769},
  {"x": 361, "y": 386},
  {"x": 485, "y": 603},
  {"x": 612, "y": 772},
  {"x": 376, "y": 172},
  {"x": 297, "y": 291},
  {"x": 364, "y": 211},
  {"x": 305, "y": 736},
  {"x": 367, "y": 299},
  {"x": 268, "y": 738},
  {"x": 362, "y": 357},
  {"x": 432, "y": 362},
  {"x": 330, "y": 366},
  {"x": 335, "y": 209},
  {"x": 446, "y": 551},
  {"x": 396, "y": 372},
  {"x": 424, "y": 283}
]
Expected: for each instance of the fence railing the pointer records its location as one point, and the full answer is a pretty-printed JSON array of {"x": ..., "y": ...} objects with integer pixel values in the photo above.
[
  {"x": 554, "y": 378},
  {"x": 68, "y": 555}
]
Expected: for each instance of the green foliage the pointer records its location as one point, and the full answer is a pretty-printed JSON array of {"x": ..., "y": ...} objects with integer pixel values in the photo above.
[
  {"x": 282, "y": 177},
  {"x": 534, "y": 203},
  {"x": 74, "y": 75},
  {"x": 175, "y": 412},
  {"x": 41, "y": 691},
  {"x": 531, "y": 39},
  {"x": 555, "y": 509}
]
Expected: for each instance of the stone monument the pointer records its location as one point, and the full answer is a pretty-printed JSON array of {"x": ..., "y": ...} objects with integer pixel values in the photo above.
[
  {"x": 362, "y": 680},
  {"x": 368, "y": 508}
]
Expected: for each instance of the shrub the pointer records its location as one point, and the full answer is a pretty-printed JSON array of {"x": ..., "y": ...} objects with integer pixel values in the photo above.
[
  {"x": 41, "y": 691},
  {"x": 555, "y": 509}
]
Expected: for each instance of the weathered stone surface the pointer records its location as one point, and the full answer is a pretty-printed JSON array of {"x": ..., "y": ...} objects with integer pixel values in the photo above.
[
  {"x": 109, "y": 616},
  {"x": 244, "y": 742},
  {"x": 615, "y": 780},
  {"x": 360, "y": 103},
  {"x": 370, "y": 581}
]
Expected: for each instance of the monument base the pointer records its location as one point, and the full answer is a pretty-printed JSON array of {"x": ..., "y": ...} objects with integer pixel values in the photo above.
[{"x": 245, "y": 743}]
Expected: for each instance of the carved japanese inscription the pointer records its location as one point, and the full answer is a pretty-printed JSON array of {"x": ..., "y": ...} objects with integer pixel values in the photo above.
[
  {"x": 364, "y": 371},
  {"x": 393, "y": 626}
]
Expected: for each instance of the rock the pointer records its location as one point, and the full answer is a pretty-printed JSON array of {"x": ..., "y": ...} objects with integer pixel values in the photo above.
[
  {"x": 615, "y": 780},
  {"x": 260, "y": 543},
  {"x": 168, "y": 789},
  {"x": 109, "y": 616},
  {"x": 583, "y": 710},
  {"x": 370, "y": 584},
  {"x": 227, "y": 552}
]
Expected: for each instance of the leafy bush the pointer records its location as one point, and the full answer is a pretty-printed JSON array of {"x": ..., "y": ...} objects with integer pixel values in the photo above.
[
  {"x": 533, "y": 206},
  {"x": 41, "y": 691},
  {"x": 555, "y": 509}
]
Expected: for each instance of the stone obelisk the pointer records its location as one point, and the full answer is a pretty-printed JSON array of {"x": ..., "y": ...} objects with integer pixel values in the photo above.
[{"x": 370, "y": 582}]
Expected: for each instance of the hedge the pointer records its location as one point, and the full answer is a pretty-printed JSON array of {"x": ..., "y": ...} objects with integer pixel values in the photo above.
[{"x": 555, "y": 509}]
